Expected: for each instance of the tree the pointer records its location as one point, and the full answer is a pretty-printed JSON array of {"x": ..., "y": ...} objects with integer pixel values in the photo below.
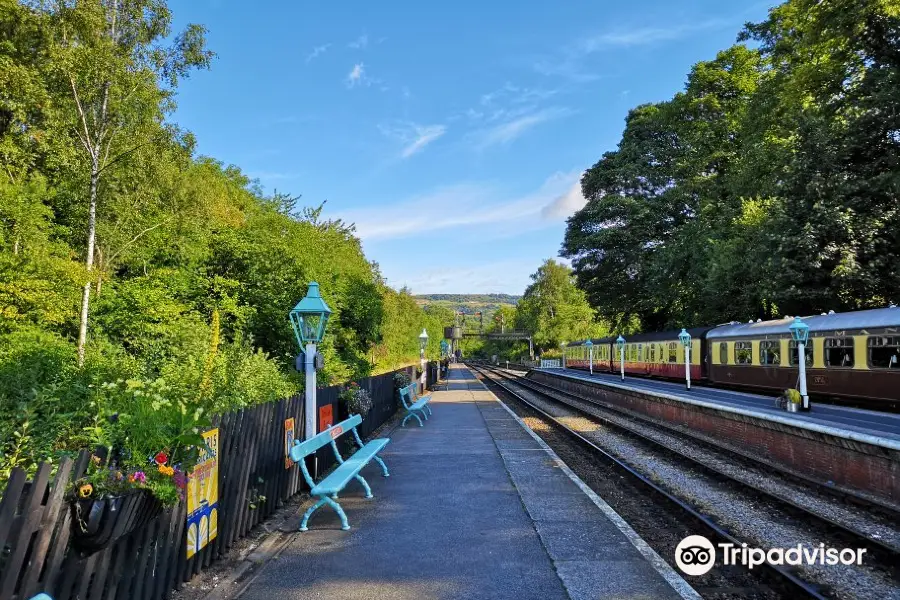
[
  {"x": 553, "y": 310},
  {"x": 116, "y": 106}
]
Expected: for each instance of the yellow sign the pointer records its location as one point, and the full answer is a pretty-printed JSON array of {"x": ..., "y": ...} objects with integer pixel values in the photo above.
[{"x": 203, "y": 496}]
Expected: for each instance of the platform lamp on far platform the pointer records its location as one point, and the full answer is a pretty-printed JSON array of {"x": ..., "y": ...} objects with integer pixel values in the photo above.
[
  {"x": 308, "y": 320},
  {"x": 800, "y": 334},
  {"x": 423, "y": 342},
  {"x": 620, "y": 344},
  {"x": 590, "y": 347},
  {"x": 685, "y": 338}
]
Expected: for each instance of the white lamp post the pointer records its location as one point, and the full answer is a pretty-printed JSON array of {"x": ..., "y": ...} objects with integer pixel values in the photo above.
[
  {"x": 423, "y": 342},
  {"x": 685, "y": 339},
  {"x": 620, "y": 344},
  {"x": 308, "y": 320},
  {"x": 590, "y": 347},
  {"x": 800, "y": 334},
  {"x": 562, "y": 354}
]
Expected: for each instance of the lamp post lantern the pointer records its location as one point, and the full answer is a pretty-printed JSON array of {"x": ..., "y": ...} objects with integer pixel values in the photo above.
[
  {"x": 620, "y": 344},
  {"x": 423, "y": 342},
  {"x": 685, "y": 338},
  {"x": 800, "y": 334},
  {"x": 590, "y": 347},
  {"x": 308, "y": 320}
]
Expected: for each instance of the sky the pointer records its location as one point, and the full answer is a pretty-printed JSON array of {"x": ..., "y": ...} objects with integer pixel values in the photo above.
[{"x": 452, "y": 134}]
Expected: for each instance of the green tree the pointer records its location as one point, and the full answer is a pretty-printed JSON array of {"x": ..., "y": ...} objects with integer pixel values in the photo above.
[
  {"x": 114, "y": 107},
  {"x": 554, "y": 310}
]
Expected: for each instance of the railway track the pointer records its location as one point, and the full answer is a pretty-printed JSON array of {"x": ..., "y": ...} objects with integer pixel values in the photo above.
[{"x": 882, "y": 553}]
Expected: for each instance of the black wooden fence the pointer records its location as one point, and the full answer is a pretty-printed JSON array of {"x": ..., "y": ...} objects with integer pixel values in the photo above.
[{"x": 36, "y": 520}]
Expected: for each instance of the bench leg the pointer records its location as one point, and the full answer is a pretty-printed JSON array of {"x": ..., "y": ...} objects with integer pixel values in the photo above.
[
  {"x": 365, "y": 485},
  {"x": 423, "y": 413},
  {"x": 384, "y": 468},
  {"x": 406, "y": 418},
  {"x": 340, "y": 511},
  {"x": 309, "y": 512},
  {"x": 428, "y": 408}
]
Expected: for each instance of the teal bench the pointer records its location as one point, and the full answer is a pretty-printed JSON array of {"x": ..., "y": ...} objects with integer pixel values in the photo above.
[
  {"x": 414, "y": 405},
  {"x": 328, "y": 489}
]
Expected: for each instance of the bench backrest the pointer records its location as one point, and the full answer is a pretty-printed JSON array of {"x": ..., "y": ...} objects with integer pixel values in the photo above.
[
  {"x": 408, "y": 393},
  {"x": 304, "y": 449}
]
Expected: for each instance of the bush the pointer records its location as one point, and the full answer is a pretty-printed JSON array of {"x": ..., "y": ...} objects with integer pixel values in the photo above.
[
  {"x": 356, "y": 400},
  {"x": 401, "y": 379}
]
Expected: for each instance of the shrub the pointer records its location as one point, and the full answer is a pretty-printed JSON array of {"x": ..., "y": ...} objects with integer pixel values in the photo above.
[{"x": 356, "y": 399}]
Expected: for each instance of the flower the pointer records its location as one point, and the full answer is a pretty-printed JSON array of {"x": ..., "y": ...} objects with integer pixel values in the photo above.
[
  {"x": 180, "y": 479},
  {"x": 85, "y": 490},
  {"x": 138, "y": 477},
  {"x": 161, "y": 458},
  {"x": 119, "y": 476},
  {"x": 96, "y": 459},
  {"x": 168, "y": 471}
]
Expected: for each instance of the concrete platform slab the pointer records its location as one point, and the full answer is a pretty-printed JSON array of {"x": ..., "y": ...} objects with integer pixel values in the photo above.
[{"x": 476, "y": 507}]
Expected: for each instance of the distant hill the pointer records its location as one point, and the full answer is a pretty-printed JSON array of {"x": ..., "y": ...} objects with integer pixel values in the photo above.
[
  {"x": 467, "y": 298},
  {"x": 469, "y": 304}
]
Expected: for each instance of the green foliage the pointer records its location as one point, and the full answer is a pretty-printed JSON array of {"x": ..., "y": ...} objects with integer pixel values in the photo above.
[
  {"x": 554, "y": 310},
  {"x": 768, "y": 186},
  {"x": 194, "y": 269}
]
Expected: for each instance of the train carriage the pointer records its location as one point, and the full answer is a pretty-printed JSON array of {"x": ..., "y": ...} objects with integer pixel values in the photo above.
[
  {"x": 662, "y": 354},
  {"x": 851, "y": 355}
]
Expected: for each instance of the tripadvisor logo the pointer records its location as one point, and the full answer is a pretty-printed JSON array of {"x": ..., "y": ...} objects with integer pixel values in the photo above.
[{"x": 696, "y": 555}]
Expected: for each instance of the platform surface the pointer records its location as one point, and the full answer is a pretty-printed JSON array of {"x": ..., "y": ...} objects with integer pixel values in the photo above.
[
  {"x": 863, "y": 422},
  {"x": 475, "y": 507}
]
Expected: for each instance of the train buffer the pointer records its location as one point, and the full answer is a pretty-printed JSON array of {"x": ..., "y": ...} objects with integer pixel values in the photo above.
[{"x": 476, "y": 507}]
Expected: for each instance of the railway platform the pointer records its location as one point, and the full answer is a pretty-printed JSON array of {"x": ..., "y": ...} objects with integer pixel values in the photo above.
[
  {"x": 853, "y": 450},
  {"x": 476, "y": 506},
  {"x": 854, "y": 423}
]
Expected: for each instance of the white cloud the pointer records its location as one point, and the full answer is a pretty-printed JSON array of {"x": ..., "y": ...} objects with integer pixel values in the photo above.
[
  {"x": 359, "y": 43},
  {"x": 509, "y": 130},
  {"x": 355, "y": 77},
  {"x": 565, "y": 205},
  {"x": 570, "y": 62},
  {"x": 414, "y": 137},
  {"x": 317, "y": 51},
  {"x": 477, "y": 209}
]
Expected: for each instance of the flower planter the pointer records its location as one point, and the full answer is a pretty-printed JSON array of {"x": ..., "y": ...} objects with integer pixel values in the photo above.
[{"x": 98, "y": 523}]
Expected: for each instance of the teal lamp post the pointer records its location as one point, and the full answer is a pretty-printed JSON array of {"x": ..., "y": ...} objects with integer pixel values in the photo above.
[
  {"x": 800, "y": 334},
  {"x": 620, "y": 344},
  {"x": 308, "y": 320},
  {"x": 590, "y": 347},
  {"x": 685, "y": 338}
]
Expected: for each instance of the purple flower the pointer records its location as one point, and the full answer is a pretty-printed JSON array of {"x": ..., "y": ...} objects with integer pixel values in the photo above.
[
  {"x": 180, "y": 479},
  {"x": 139, "y": 477}
]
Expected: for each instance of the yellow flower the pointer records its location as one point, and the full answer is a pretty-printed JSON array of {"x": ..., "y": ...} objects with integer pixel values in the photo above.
[
  {"x": 86, "y": 490},
  {"x": 167, "y": 471}
]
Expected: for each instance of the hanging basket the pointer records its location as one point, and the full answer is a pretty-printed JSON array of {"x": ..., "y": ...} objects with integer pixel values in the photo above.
[{"x": 98, "y": 523}]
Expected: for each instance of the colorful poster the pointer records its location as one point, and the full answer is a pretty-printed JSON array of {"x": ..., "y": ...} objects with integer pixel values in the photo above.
[
  {"x": 326, "y": 417},
  {"x": 288, "y": 442},
  {"x": 203, "y": 496}
]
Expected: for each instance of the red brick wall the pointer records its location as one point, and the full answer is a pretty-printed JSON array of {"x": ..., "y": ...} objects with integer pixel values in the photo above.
[{"x": 844, "y": 462}]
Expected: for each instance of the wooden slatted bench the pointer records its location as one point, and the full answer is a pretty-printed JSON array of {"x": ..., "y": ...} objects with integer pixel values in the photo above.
[
  {"x": 328, "y": 489},
  {"x": 414, "y": 407}
]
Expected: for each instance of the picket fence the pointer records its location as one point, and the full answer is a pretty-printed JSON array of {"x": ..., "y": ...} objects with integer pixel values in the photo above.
[{"x": 36, "y": 519}]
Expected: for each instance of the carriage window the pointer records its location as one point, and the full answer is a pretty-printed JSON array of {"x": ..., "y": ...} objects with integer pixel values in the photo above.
[
  {"x": 723, "y": 353},
  {"x": 652, "y": 353},
  {"x": 743, "y": 353},
  {"x": 884, "y": 352},
  {"x": 838, "y": 352},
  {"x": 673, "y": 352},
  {"x": 770, "y": 352},
  {"x": 640, "y": 352},
  {"x": 807, "y": 350}
]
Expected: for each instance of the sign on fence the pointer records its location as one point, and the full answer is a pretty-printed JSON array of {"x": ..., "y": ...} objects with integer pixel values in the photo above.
[
  {"x": 550, "y": 363},
  {"x": 326, "y": 417},
  {"x": 203, "y": 496},
  {"x": 288, "y": 442}
]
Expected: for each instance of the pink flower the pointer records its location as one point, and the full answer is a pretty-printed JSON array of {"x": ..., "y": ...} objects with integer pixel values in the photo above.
[{"x": 140, "y": 477}]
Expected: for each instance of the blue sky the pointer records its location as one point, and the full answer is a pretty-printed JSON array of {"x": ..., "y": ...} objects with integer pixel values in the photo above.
[{"x": 452, "y": 134}]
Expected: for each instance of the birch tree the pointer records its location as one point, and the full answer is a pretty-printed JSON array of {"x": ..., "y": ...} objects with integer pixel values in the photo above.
[{"x": 119, "y": 76}]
